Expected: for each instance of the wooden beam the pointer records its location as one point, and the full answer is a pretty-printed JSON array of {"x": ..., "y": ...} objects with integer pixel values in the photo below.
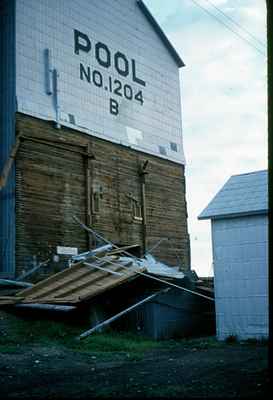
[
  {"x": 8, "y": 282},
  {"x": 60, "y": 284},
  {"x": 75, "y": 283},
  {"x": 48, "y": 307},
  {"x": 58, "y": 144},
  {"x": 142, "y": 173},
  {"x": 7, "y": 167},
  {"x": 32, "y": 270},
  {"x": 9, "y": 300},
  {"x": 98, "y": 252},
  {"x": 122, "y": 249},
  {"x": 46, "y": 300},
  {"x": 108, "y": 285},
  {"x": 95, "y": 284},
  {"x": 52, "y": 278},
  {"x": 88, "y": 195},
  {"x": 104, "y": 269}
]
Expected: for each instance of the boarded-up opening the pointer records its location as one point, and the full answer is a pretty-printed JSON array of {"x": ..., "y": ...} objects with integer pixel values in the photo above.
[{"x": 50, "y": 189}]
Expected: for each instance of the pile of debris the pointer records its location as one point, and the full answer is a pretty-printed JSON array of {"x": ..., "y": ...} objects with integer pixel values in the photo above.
[{"x": 89, "y": 275}]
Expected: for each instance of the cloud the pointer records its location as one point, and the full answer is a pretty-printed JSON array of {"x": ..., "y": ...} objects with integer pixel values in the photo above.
[
  {"x": 223, "y": 89},
  {"x": 220, "y": 2},
  {"x": 254, "y": 12}
]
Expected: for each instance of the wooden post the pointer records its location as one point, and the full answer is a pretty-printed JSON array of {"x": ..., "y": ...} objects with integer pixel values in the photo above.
[
  {"x": 88, "y": 193},
  {"x": 9, "y": 162},
  {"x": 142, "y": 172},
  {"x": 144, "y": 219}
]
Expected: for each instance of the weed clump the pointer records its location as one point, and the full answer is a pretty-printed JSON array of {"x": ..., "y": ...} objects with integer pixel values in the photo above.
[
  {"x": 256, "y": 341},
  {"x": 231, "y": 339}
]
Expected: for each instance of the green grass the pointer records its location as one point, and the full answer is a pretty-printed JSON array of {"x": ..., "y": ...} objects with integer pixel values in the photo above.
[
  {"x": 9, "y": 348},
  {"x": 26, "y": 331},
  {"x": 116, "y": 342},
  {"x": 43, "y": 332},
  {"x": 198, "y": 343},
  {"x": 262, "y": 342},
  {"x": 231, "y": 339},
  {"x": 46, "y": 333}
]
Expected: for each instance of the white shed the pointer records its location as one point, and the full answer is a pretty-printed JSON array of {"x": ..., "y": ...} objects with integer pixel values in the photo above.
[{"x": 239, "y": 228}]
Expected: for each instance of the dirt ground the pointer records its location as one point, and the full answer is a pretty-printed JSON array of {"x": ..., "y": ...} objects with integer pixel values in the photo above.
[{"x": 224, "y": 370}]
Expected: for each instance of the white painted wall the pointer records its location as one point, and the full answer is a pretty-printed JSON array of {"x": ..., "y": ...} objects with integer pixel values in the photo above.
[
  {"x": 240, "y": 255},
  {"x": 120, "y": 24}
]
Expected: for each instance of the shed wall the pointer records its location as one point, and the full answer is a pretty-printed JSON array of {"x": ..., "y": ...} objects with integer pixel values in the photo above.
[
  {"x": 170, "y": 315},
  {"x": 240, "y": 256}
]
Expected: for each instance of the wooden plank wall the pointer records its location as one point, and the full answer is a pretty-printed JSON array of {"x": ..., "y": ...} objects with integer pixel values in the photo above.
[{"x": 51, "y": 187}]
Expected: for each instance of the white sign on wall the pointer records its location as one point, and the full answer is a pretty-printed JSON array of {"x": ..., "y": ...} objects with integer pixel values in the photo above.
[
  {"x": 64, "y": 250},
  {"x": 111, "y": 74}
]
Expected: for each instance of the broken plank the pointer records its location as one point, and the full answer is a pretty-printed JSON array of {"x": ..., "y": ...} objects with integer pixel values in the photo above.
[
  {"x": 75, "y": 280},
  {"x": 51, "y": 300},
  {"x": 9, "y": 282},
  {"x": 9, "y": 300},
  {"x": 122, "y": 249},
  {"x": 107, "y": 286},
  {"x": 92, "y": 282},
  {"x": 48, "y": 307},
  {"x": 103, "y": 269},
  {"x": 32, "y": 270},
  {"x": 60, "y": 284},
  {"x": 99, "y": 252},
  {"x": 52, "y": 278},
  {"x": 77, "y": 290}
]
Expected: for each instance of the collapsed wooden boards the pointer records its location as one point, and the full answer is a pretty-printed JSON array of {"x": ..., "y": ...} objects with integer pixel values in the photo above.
[
  {"x": 10, "y": 300},
  {"x": 78, "y": 283}
]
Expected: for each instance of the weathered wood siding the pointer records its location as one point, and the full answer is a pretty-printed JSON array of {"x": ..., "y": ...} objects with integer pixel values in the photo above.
[{"x": 52, "y": 185}]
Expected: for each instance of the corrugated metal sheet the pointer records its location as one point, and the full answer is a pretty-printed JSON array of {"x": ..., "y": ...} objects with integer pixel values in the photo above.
[
  {"x": 244, "y": 194},
  {"x": 7, "y": 128}
]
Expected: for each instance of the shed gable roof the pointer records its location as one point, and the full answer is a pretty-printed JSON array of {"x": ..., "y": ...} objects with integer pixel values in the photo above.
[
  {"x": 160, "y": 33},
  {"x": 244, "y": 194}
]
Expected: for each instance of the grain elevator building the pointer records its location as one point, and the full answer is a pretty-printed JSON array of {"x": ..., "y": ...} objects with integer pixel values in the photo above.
[{"x": 90, "y": 120}]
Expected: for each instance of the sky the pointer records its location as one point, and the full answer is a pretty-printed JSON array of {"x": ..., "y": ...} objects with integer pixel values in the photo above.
[{"x": 224, "y": 100}]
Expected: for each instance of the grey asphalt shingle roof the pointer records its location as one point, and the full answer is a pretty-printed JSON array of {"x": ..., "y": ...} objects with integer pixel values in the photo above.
[{"x": 244, "y": 194}]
